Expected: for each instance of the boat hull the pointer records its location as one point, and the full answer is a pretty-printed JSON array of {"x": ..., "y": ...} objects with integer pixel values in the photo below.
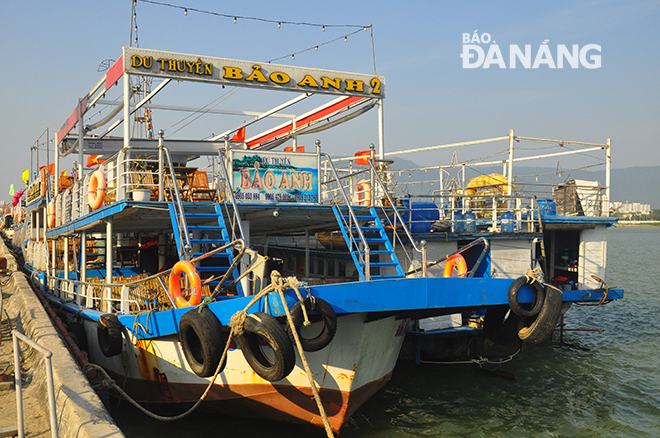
[{"x": 347, "y": 372}]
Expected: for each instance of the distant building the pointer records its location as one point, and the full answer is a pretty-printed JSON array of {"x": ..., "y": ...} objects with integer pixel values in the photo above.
[{"x": 628, "y": 209}]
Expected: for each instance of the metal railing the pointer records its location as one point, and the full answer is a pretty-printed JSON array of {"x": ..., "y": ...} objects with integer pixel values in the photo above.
[{"x": 52, "y": 409}]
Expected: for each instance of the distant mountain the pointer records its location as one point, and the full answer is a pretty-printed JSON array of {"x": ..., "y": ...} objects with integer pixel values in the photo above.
[{"x": 633, "y": 184}]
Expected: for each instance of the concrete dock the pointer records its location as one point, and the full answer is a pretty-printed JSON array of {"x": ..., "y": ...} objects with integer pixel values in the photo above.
[{"x": 80, "y": 412}]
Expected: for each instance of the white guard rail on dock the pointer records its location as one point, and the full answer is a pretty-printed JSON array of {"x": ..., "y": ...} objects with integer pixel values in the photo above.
[{"x": 19, "y": 385}]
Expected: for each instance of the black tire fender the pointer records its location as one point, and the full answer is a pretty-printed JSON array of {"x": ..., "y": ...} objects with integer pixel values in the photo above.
[
  {"x": 78, "y": 334},
  {"x": 109, "y": 331},
  {"x": 258, "y": 326},
  {"x": 328, "y": 317},
  {"x": 501, "y": 325},
  {"x": 544, "y": 325},
  {"x": 202, "y": 341},
  {"x": 539, "y": 296}
]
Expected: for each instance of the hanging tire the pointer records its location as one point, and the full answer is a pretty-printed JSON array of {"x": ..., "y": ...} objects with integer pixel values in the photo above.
[
  {"x": 544, "y": 325},
  {"x": 328, "y": 317},
  {"x": 78, "y": 334},
  {"x": 501, "y": 325},
  {"x": 539, "y": 296},
  {"x": 202, "y": 341},
  {"x": 109, "y": 331},
  {"x": 260, "y": 326}
]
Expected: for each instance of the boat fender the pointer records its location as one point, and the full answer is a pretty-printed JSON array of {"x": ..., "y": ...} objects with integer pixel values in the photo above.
[
  {"x": 109, "y": 332},
  {"x": 181, "y": 267},
  {"x": 539, "y": 296},
  {"x": 546, "y": 321},
  {"x": 260, "y": 326},
  {"x": 328, "y": 317},
  {"x": 78, "y": 334},
  {"x": 202, "y": 341},
  {"x": 96, "y": 190},
  {"x": 51, "y": 214},
  {"x": 501, "y": 325},
  {"x": 458, "y": 262}
]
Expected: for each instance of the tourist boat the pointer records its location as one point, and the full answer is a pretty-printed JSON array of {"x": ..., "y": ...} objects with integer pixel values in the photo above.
[
  {"x": 544, "y": 227},
  {"x": 259, "y": 277}
]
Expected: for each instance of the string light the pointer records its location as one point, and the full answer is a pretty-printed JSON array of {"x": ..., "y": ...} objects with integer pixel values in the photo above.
[
  {"x": 185, "y": 11},
  {"x": 279, "y": 25},
  {"x": 236, "y": 17},
  {"x": 345, "y": 39}
]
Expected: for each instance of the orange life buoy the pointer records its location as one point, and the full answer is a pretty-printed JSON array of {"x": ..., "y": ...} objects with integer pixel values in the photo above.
[
  {"x": 51, "y": 214},
  {"x": 96, "y": 190},
  {"x": 363, "y": 193},
  {"x": 457, "y": 261},
  {"x": 43, "y": 182},
  {"x": 183, "y": 266}
]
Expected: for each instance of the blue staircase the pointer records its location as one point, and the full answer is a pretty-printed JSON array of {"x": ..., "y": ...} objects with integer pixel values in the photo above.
[
  {"x": 206, "y": 223},
  {"x": 382, "y": 255}
]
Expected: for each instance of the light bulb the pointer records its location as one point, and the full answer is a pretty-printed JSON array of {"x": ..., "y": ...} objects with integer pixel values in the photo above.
[
  {"x": 185, "y": 11},
  {"x": 234, "y": 20},
  {"x": 279, "y": 25}
]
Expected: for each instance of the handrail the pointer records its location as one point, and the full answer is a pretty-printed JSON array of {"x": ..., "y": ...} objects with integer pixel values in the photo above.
[
  {"x": 178, "y": 204},
  {"x": 237, "y": 215},
  {"x": 422, "y": 251},
  {"x": 52, "y": 409},
  {"x": 367, "y": 268},
  {"x": 238, "y": 244}
]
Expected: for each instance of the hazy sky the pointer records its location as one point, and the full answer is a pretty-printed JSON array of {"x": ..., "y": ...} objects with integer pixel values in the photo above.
[{"x": 50, "y": 52}]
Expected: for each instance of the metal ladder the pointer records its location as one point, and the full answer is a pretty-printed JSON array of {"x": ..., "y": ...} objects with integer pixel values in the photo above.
[
  {"x": 375, "y": 238},
  {"x": 207, "y": 220}
]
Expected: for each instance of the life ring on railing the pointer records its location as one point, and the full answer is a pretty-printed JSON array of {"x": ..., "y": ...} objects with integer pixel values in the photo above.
[
  {"x": 96, "y": 190},
  {"x": 363, "y": 193},
  {"x": 51, "y": 214},
  {"x": 202, "y": 341},
  {"x": 456, "y": 261},
  {"x": 183, "y": 266},
  {"x": 260, "y": 326},
  {"x": 109, "y": 331},
  {"x": 328, "y": 318},
  {"x": 539, "y": 296},
  {"x": 43, "y": 182}
]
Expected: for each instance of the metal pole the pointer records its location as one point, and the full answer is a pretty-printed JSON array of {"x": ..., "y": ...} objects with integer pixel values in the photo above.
[
  {"x": 52, "y": 408},
  {"x": 381, "y": 130},
  {"x": 371, "y": 174},
  {"x": 108, "y": 260},
  {"x": 47, "y": 165},
  {"x": 608, "y": 168},
  {"x": 510, "y": 170},
  {"x": 161, "y": 195},
  {"x": 19, "y": 387},
  {"x": 81, "y": 139}
]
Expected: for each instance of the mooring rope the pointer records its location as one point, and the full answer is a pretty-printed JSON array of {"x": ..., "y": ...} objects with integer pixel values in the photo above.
[{"x": 236, "y": 325}]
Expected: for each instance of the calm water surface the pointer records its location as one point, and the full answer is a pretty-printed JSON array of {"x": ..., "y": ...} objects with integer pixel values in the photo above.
[{"x": 607, "y": 385}]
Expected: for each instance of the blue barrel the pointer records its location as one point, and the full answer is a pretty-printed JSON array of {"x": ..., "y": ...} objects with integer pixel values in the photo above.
[
  {"x": 470, "y": 222},
  {"x": 419, "y": 215},
  {"x": 547, "y": 207},
  {"x": 507, "y": 222},
  {"x": 459, "y": 222}
]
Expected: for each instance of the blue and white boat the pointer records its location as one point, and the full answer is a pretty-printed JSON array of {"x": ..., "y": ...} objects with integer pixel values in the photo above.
[{"x": 179, "y": 277}]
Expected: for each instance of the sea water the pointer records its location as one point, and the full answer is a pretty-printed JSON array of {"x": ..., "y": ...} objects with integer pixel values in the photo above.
[{"x": 599, "y": 385}]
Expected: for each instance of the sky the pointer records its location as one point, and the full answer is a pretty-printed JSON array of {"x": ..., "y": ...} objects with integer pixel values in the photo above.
[{"x": 51, "y": 51}]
